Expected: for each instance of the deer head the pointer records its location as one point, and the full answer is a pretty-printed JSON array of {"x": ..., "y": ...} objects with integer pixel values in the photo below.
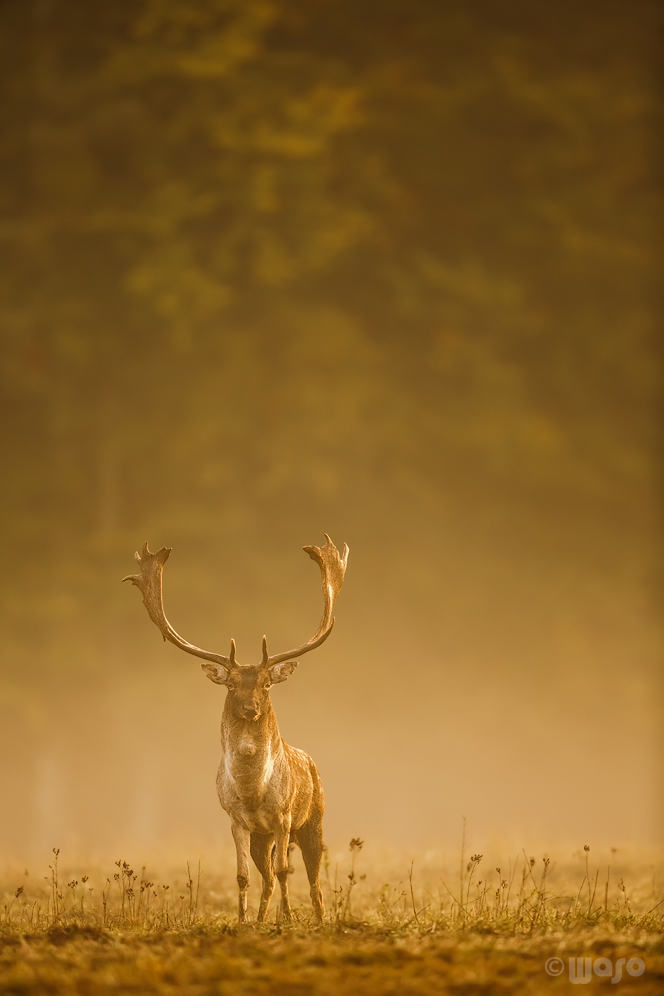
[{"x": 248, "y": 686}]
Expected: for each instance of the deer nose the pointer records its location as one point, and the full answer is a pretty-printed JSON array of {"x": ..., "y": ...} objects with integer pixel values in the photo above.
[{"x": 251, "y": 709}]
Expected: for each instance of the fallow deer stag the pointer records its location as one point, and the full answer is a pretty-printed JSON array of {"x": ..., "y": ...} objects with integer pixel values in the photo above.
[{"x": 271, "y": 791}]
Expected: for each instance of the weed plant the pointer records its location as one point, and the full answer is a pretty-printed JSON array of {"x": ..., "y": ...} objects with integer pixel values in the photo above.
[{"x": 488, "y": 929}]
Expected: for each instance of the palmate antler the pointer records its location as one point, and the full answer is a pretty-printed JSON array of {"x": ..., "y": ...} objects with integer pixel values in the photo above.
[
  {"x": 332, "y": 567},
  {"x": 149, "y": 581}
]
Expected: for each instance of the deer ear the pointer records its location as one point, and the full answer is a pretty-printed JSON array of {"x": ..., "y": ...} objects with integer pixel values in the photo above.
[
  {"x": 215, "y": 672},
  {"x": 279, "y": 672}
]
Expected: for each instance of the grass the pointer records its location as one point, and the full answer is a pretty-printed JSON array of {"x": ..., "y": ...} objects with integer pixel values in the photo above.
[{"x": 394, "y": 926}]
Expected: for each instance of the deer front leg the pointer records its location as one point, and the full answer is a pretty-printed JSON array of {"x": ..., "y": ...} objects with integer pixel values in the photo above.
[
  {"x": 261, "y": 852},
  {"x": 242, "y": 839},
  {"x": 281, "y": 839}
]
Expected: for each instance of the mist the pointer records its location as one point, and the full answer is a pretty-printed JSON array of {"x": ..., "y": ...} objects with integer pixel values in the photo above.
[{"x": 271, "y": 271}]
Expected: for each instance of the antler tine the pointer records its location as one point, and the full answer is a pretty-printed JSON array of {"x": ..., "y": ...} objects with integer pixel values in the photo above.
[
  {"x": 332, "y": 568},
  {"x": 149, "y": 582}
]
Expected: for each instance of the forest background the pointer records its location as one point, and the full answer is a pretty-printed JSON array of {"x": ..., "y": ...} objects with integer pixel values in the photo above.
[{"x": 388, "y": 271}]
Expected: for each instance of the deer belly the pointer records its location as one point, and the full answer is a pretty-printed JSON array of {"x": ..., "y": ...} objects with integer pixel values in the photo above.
[
  {"x": 303, "y": 786},
  {"x": 260, "y": 813},
  {"x": 253, "y": 794}
]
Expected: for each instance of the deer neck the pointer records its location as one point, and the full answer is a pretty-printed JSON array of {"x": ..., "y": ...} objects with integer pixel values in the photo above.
[{"x": 250, "y": 748}]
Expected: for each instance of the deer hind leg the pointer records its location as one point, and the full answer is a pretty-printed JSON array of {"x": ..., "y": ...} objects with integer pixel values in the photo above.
[
  {"x": 262, "y": 851},
  {"x": 281, "y": 840},
  {"x": 241, "y": 837},
  {"x": 310, "y": 839}
]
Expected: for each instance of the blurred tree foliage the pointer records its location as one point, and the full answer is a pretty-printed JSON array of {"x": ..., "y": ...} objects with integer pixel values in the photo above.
[{"x": 261, "y": 257}]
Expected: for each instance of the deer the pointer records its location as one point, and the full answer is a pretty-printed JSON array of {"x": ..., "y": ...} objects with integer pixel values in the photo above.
[{"x": 271, "y": 791}]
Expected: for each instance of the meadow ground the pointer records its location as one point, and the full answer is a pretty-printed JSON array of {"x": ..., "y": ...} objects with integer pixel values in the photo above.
[{"x": 394, "y": 927}]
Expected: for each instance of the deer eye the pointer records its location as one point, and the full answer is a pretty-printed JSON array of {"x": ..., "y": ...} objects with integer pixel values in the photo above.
[{"x": 268, "y": 684}]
